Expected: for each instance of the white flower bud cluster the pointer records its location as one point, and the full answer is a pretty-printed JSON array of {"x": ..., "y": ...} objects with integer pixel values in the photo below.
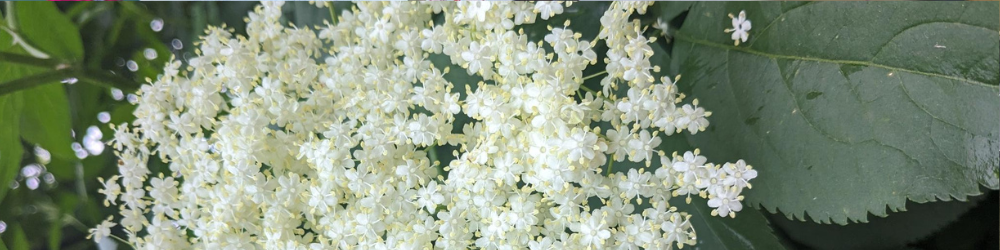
[{"x": 294, "y": 138}]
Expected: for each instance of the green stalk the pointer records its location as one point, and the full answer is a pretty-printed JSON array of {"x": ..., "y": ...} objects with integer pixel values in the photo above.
[
  {"x": 30, "y": 60},
  {"x": 34, "y": 81}
]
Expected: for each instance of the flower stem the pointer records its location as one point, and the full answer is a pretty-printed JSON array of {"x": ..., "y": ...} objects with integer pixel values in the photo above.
[
  {"x": 122, "y": 240},
  {"x": 595, "y": 75},
  {"x": 611, "y": 164}
]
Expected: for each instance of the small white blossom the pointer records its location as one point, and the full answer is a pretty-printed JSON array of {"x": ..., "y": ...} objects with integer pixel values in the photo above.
[
  {"x": 741, "y": 28},
  {"x": 726, "y": 201},
  {"x": 548, "y": 9},
  {"x": 102, "y": 230}
]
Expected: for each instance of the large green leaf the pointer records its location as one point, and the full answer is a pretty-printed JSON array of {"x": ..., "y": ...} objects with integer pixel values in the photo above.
[
  {"x": 45, "y": 119},
  {"x": 46, "y": 28},
  {"x": 10, "y": 117},
  {"x": 845, "y": 108},
  {"x": 893, "y": 231},
  {"x": 10, "y": 143},
  {"x": 749, "y": 230},
  {"x": 17, "y": 240}
]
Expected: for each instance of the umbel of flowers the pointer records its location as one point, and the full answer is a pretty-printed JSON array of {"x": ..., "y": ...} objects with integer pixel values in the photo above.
[{"x": 294, "y": 138}]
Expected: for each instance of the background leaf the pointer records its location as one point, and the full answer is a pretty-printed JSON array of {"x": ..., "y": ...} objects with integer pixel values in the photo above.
[
  {"x": 749, "y": 230},
  {"x": 839, "y": 107},
  {"x": 46, "y": 28},
  {"x": 10, "y": 144},
  {"x": 896, "y": 230},
  {"x": 45, "y": 119},
  {"x": 15, "y": 238},
  {"x": 11, "y": 149}
]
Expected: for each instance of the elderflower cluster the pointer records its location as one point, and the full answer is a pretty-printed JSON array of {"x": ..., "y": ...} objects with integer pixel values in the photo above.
[{"x": 299, "y": 138}]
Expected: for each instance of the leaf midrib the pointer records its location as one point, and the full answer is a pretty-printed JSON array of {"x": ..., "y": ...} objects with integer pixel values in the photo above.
[{"x": 684, "y": 37}]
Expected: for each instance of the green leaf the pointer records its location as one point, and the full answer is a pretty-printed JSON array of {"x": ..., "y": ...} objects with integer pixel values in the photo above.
[
  {"x": 749, "y": 230},
  {"x": 46, "y": 28},
  {"x": 55, "y": 233},
  {"x": 896, "y": 230},
  {"x": 667, "y": 11},
  {"x": 18, "y": 240},
  {"x": 10, "y": 116},
  {"x": 45, "y": 119},
  {"x": 10, "y": 143},
  {"x": 845, "y": 108}
]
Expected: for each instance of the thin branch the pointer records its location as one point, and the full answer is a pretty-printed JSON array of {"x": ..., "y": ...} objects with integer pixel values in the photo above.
[
  {"x": 611, "y": 164},
  {"x": 595, "y": 75},
  {"x": 34, "y": 81},
  {"x": 109, "y": 80},
  {"x": 31, "y": 61},
  {"x": 122, "y": 240}
]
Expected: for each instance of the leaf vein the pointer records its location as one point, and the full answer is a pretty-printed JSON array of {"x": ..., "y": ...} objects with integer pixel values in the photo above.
[{"x": 681, "y": 36}]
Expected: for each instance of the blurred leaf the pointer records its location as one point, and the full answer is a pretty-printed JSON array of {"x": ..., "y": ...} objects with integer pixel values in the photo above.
[
  {"x": 45, "y": 27},
  {"x": 55, "y": 233},
  {"x": 11, "y": 150},
  {"x": 45, "y": 119},
  {"x": 10, "y": 143},
  {"x": 896, "y": 230},
  {"x": 121, "y": 114},
  {"x": 845, "y": 108},
  {"x": 15, "y": 235}
]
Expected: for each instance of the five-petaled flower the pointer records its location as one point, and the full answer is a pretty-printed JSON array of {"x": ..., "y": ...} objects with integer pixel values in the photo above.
[{"x": 741, "y": 28}]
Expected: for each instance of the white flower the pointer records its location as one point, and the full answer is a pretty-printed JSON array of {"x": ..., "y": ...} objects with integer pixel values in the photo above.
[
  {"x": 661, "y": 25},
  {"x": 111, "y": 189},
  {"x": 738, "y": 174},
  {"x": 678, "y": 230},
  {"x": 381, "y": 30},
  {"x": 548, "y": 9},
  {"x": 592, "y": 229},
  {"x": 692, "y": 118},
  {"x": 346, "y": 133},
  {"x": 741, "y": 28},
  {"x": 641, "y": 146},
  {"x": 688, "y": 161},
  {"x": 581, "y": 145},
  {"x": 478, "y": 58},
  {"x": 618, "y": 146},
  {"x": 478, "y": 10},
  {"x": 429, "y": 198},
  {"x": 102, "y": 230},
  {"x": 726, "y": 202},
  {"x": 634, "y": 184},
  {"x": 433, "y": 39}
]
